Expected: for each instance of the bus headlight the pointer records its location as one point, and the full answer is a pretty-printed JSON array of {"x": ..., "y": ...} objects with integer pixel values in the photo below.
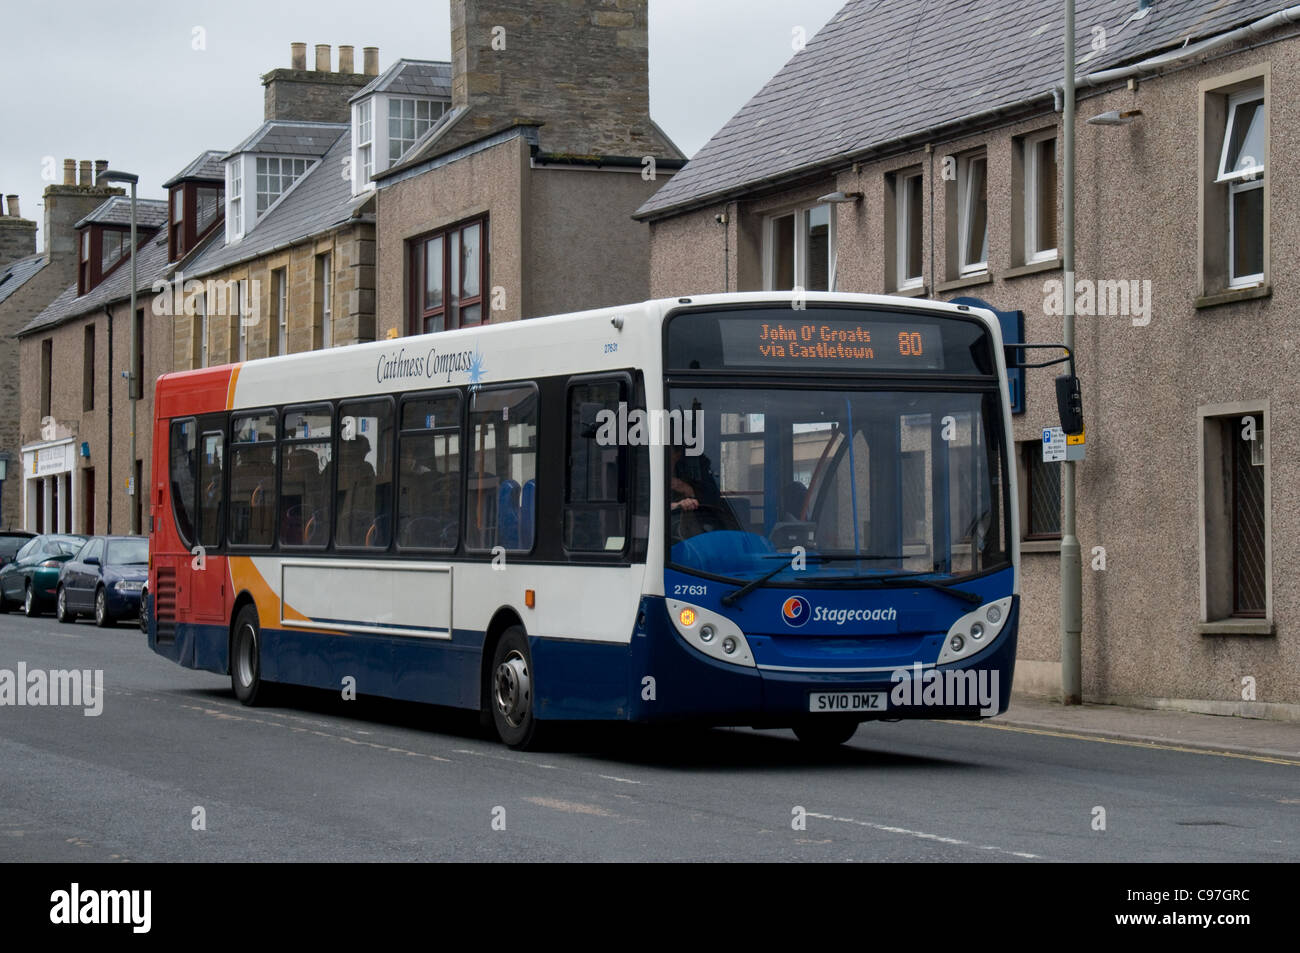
[
  {"x": 711, "y": 633},
  {"x": 974, "y": 630}
]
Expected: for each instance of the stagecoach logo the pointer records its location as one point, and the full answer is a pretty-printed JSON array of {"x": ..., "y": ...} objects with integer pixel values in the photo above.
[
  {"x": 796, "y": 611},
  {"x": 394, "y": 366}
]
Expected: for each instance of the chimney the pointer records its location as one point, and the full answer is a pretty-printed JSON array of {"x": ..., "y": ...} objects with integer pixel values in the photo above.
[
  {"x": 101, "y": 166},
  {"x": 370, "y": 60},
  {"x": 17, "y": 235},
  {"x": 345, "y": 59},
  {"x": 318, "y": 95},
  {"x": 67, "y": 204},
  {"x": 584, "y": 75}
]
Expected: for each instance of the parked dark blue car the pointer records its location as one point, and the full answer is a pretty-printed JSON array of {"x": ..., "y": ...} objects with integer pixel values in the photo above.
[{"x": 104, "y": 579}]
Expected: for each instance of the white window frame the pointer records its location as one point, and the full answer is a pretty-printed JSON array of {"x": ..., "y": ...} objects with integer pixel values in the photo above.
[
  {"x": 327, "y": 294},
  {"x": 964, "y": 209},
  {"x": 363, "y": 149},
  {"x": 234, "y": 198},
  {"x": 243, "y": 327},
  {"x": 282, "y": 311},
  {"x": 903, "y": 182},
  {"x": 800, "y": 250},
  {"x": 1241, "y": 180},
  {"x": 1034, "y": 196},
  {"x": 436, "y": 108},
  {"x": 202, "y": 306}
]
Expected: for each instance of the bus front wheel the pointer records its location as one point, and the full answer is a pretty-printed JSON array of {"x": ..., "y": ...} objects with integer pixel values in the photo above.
[
  {"x": 246, "y": 658},
  {"x": 511, "y": 690}
]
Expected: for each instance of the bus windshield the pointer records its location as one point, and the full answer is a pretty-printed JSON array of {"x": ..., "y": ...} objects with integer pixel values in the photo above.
[{"x": 858, "y": 483}]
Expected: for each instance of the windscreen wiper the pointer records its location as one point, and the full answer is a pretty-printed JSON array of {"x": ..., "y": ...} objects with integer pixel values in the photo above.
[
  {"x": 973, "y": 598},
  {"x": 731, "y": 598}
]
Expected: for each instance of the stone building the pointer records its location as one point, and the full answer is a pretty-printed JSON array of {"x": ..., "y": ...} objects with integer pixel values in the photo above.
[
  {"x": 515, "y": 198},
  {"x": 30, "y": 280},
  {"x": 293, "y": 267},
  {"x": 897, "y": 154}
]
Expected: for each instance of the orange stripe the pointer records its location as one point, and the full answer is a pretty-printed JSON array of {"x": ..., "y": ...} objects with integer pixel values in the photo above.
[{"x": 230, "y": 391}]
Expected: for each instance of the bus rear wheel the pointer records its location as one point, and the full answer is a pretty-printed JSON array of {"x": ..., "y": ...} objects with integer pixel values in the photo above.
[
  {"x": 246, "y": 659},
  {"x": 825, "y": 733},
  {"x": 510, "y": 694}
]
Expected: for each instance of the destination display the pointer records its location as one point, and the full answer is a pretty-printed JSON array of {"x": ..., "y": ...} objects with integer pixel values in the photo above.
[
  {"x": 830, "y": 343},
  {"x": 835, "y": 340}
]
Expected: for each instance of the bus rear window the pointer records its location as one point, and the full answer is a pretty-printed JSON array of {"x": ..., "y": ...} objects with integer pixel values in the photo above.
[{"x": 183, "y": 467}]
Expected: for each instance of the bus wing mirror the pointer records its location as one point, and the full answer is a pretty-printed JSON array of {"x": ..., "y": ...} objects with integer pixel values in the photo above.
[{"x": 1069, "y": 403}]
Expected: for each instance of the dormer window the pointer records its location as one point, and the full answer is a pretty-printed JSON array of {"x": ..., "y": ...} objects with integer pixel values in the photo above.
[
  {"x": 195, "y": 208},
  {"x": 365, "y": 162},
  {"x": 274, "y": 176},
  {"x": 235, "y": 198},
  {"x": 113, "y": 244},
  {"x": 408, "y": 120},
  {"x": 102, "y": 250}
]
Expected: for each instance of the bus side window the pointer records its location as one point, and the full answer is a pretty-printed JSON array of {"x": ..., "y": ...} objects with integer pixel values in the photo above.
[
  {"x": 429, "y": 473},
  {"x": 211, "y": 491},
  {"x": 252, "y": 480},
  {"x": 595, "y": 497},
  {"x": 183, "y": 466},
  {"x": 365, "y": 495},
  {"x": 503, "y": 458}
]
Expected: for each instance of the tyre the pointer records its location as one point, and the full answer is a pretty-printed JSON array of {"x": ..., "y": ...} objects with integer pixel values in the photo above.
[
  {"x": 246, "y": 659},
  {"x": 102, "y": 618},
  {"x": 61, "y": 611},
  {"x": 510, "y": 690},
  {"x": 144, "y": 611},
  {"x": 825, "y": 732},
  {"x": 30, "y": 607}
]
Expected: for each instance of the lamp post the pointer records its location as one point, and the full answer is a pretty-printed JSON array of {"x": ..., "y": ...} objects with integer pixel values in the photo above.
[
  {"x": 109, "y": 175},
  {"x": 1071, "y": 561}
]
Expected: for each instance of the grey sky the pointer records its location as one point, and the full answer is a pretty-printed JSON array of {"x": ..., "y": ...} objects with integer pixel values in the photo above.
[{"x": 85, "y": 81}]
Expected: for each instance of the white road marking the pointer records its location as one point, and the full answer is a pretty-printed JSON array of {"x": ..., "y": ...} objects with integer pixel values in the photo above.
[{"x": 889, "y": 829}]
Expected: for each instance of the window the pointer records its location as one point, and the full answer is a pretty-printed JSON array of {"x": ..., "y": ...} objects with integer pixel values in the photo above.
[
  {"x": 365, "y": 144},
  {"x": 972, "y": 214},
  {"x": 1042, "y": 512},
  {"x": 83, "y": 266},
  {"x": 429, "y": 467},
  {"x": 88, "y": 368},
  {"x": 137, "y": 371},
  {"x": 176, "y": 237},
  {"x": 205, "y": 329},
  {"x": 800, "y": 253},
  {"x": 274, "y": 176},
  {"x": 365, "y": 491},
  {"x": 306, "y": 477},
  {"x": 1241, "y": 169},
  {"x": 408, "y": 120},
  {"x": 183, "y": 475},
  {"x": 47, "y": 375},
  {"x": 595, "y": 495},
  {"x": 208, "y": 200},
  {"x": 243, "y": 325},
  {"x": 113, "y": 247},
  {"x": 1235, "y": 526},
  {"x": 909, "y": 218},
  {"x": 1039, "y": 157},
  {"x": 280, "y": 288},
  {"x": 212, "y": 497},
  {"x": 502, "y": 492},
  {"x": 252, "y": 480},
  {"x": 323, "y": 335},
  {"x": 449, "y": 272},
  {"x": 235, "y": 191}
]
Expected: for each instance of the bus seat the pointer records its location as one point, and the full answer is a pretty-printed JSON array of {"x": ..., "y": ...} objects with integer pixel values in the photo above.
[
  {"x": 508, "y": 514},
  {"x": 527, "y": 514}
]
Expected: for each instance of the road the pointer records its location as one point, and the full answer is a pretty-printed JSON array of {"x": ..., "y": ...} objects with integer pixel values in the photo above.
[{"x": 319, "y": 778}]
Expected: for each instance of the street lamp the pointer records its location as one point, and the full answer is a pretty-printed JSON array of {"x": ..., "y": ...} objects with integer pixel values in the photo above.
[{"x": 110, "y": 175}]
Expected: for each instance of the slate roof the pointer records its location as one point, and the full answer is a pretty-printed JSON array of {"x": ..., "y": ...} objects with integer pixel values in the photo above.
[
  {"x": 116, "y": 287},
  {"x": 15, "y": 274},
  {"x": 321, "y": 199},
  {"x": 282, "y": 137},
  {"x": 884, "y": 69},
  {"x": 149, "y": 213},
  {"x": 411, "y": 78},
  {"x": 207, "y": 166}
]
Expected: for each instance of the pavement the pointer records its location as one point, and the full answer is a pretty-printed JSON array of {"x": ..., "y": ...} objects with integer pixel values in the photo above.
[{"x": 1255, "y": 737}]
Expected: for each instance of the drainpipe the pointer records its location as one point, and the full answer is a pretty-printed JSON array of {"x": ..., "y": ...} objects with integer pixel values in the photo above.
[
  {"x": 1071, "y": 561},
  {"x": 108, "y": 528}
]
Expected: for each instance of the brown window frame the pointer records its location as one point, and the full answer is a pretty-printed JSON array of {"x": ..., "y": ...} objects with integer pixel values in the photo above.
[
  {"x": 417, "y": 313},
  {"x": 184, "y": 235}
]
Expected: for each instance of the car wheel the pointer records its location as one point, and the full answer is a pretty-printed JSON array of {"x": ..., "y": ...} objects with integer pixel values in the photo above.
[
  {"x": 102, "y": 618},
  {"x": 246, "y": 659},
  {"x": 30, "y": 608},
  {"x": 511, "y": 691},
  {"x": 825, "y": 732},
  {"x": 61, "y": 607},
  {"x": 4, "y": 603},
  {"x": 144, "y": 611}
]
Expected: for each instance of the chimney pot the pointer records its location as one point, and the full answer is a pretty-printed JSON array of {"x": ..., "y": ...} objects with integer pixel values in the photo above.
[
  {"x": 12, "y": 202},
  {"x": 86, "y": 179},
  {"x": 370, "y": 59},
  {"x": 298, "y": 55},
  {"x": 101, "y": 166},
  {"x": 69, "y": 171},
  {"x": 345, "y": 59},
  {"x": 322, "y": 57}
]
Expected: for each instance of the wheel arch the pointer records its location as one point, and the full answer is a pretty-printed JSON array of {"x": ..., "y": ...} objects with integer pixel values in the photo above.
[
  {"x": 245, "y": 598},
  {"x": 504, "y": 618}
]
